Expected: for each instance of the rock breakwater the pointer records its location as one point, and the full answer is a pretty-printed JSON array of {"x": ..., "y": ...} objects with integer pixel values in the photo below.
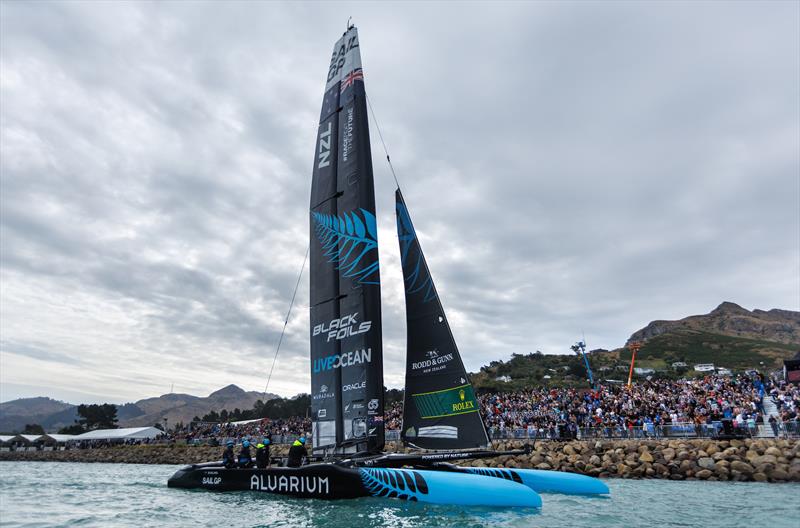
[{"x": 762, "y": 460}]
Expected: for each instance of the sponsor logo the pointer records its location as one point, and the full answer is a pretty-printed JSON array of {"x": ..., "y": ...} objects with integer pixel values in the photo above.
[
  {"x": 324, "y": 149},
  {"x": 343, "y": 327},
  {"x": 347, "y": 138},
  {"x": 358, "y": 405},
  {"x": 290, "y": 484},
  {"x": 323, "y": 393},
  {"x": 463, "y": 405},
  {"x": 337, "y": 58},
  {"x": 373, "y": 404},
  {"x": 358, "y": 427},
  {"x": 343, "y": 360},
  {"x": 212, "y": 481},
  {"x": 435, "y": 361},
  {"x": 457, "y": 400},
  {"x": 353, "y": 386},
  {"x": 322, "y": 413}
]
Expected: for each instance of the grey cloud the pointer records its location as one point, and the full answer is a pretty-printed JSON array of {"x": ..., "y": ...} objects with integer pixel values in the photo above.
[
  {"x": 37, "y": 351},
  {"x": 570, "y": 167}
]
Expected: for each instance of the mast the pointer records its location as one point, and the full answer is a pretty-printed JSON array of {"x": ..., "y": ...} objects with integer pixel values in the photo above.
[
  {"x": 440, "y": 410},
  {"x": 346, "y": 351}
]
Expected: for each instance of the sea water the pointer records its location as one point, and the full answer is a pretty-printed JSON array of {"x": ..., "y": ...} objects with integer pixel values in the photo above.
[{"x": 44, "y": 494}]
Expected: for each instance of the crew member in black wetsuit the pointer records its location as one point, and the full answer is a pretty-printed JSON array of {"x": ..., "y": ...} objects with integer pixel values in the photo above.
[
  {"x": 245, "y": 460},
  {"x": 297, "y": 452},
  {"x": 262, "y": 454},
  {"x": 228, "y": 456}
]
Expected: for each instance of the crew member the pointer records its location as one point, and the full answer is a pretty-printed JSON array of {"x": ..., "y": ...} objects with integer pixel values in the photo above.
[
  {"x": 245, "y": 460},
  {"x": 297, "y": 452},
  {"x": 228, "y": 456},
  {"x": 262, "y": 453}
]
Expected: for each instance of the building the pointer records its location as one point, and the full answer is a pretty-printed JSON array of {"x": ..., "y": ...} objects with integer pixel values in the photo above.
[
  {"x": 704, "y": 367},
  {"x": 679, "y": 364},
  {"x": 640, "y": 371},
  {"x": 791, "y": 369}
]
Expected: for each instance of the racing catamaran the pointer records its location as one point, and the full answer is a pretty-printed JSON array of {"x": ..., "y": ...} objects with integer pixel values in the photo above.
[{"x": 441, "y": 411}]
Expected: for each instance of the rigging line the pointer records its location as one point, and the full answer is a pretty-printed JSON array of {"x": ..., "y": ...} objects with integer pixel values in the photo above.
[
  {"x": 385, "y": 150},
  {"x": 286, "y": 322}
]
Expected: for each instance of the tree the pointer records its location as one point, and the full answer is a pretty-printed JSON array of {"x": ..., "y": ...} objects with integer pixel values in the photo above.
[
  {"x": 33, "y": 429},
  {"x": 74, "y": 429},
  {"x": 98, "y": 416}
]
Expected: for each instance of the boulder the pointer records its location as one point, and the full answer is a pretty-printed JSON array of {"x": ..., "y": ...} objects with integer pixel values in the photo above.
[
  {"x": 759, "y": 477},
  {"x": 646, "y": 457},
  {"x": 774, "y": 451},
  {"x": 764, "y": 459},
  {"x": 742, "y": 467},
  {"x": 778, "y": 475},
  {"x": 706, "y": 462},
  {"x": 703, "y": 474}
]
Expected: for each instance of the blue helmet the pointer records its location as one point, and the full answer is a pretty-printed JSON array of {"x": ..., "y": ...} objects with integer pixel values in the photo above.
[
  {"x": 246, "y": 443},
  {"x": 229, "y": 443},
  {"x": 266, "y": 441},
  {"x": 302, "y": 439}
]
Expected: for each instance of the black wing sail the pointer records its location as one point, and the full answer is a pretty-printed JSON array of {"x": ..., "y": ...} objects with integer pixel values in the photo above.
[
  {"x": 346, "y": 354},
  {"x": 440, "y": 410}
]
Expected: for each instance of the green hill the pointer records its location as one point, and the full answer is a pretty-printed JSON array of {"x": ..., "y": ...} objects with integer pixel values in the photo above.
[{"x": 729, "y": 336}]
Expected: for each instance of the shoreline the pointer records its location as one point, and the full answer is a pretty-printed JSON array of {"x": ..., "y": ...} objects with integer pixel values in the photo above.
[{"x": 749, "y": 460}]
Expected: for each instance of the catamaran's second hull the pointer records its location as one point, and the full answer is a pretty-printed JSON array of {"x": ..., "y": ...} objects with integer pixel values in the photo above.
[
  {"x": 334, "y": 481},
  {"x": 545, "y": 481}
]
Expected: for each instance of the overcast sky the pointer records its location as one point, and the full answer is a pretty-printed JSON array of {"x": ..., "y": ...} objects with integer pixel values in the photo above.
[{"x": 570, "y": 167}]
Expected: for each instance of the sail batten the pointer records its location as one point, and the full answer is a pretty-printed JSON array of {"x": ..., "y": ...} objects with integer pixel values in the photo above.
[
  {"x": 346, "y": 349},
  {"x": 440, "y": 409}
]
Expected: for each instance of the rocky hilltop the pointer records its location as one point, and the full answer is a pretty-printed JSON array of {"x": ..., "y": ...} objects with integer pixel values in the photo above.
[
  {"x": 730, "y": 319},
  {"x": 729, "y": 336}
]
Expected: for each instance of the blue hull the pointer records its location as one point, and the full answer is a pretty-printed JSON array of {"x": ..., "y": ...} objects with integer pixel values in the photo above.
[
  {"x": 444, "y": 487},
  {"x": 333, "y": 481},
  {"x": 542, "y": 481}
]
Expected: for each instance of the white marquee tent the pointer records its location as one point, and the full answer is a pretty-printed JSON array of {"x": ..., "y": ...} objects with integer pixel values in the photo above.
[{"x": 126, "y": 433}]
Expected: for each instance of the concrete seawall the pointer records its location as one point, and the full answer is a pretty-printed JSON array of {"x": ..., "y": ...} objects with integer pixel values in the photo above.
[{"x": 713, "y": 460}]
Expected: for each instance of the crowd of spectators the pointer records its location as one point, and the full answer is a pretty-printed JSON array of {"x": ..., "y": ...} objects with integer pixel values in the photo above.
[
  {"x": 216, "y": 433},
  {"x": 786, "y": 397},
  {"x": 647, "y": 408}
]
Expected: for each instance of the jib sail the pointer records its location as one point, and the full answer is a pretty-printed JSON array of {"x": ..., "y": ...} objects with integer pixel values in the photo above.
[
  {"x": 440, "y": 410},
  {"x": 346, "y": 354}
]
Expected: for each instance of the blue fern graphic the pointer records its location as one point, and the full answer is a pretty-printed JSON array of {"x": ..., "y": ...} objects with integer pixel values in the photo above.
[
  {"x": 419, "y": 280},
  {"x": 506, "y": 474},
  {"x": 347, "y": 240},
  {"x": 403, "y": 484}
]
